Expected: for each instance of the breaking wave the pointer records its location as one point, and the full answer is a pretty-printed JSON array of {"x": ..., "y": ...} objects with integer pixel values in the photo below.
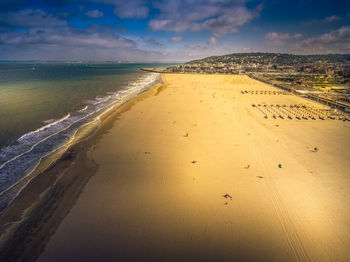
[{"x": 18, "y": 161}]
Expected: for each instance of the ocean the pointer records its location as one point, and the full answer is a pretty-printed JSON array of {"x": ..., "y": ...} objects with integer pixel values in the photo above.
[{"x": 44, "y": 105}]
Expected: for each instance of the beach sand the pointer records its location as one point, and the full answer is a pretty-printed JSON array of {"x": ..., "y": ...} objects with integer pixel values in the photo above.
[{"x": 164, "y": 164}]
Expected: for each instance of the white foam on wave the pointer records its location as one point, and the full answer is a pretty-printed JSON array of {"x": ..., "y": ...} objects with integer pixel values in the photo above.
[
  {"x": 141, "y": 84},
  {"x": 95, "y": 109},
  {"x": 102, "y": 99},
  {"x": 83, "y": 109},
  {"x": 44, "y": 127},
  {"x": 53, "y": 126},
  {"x": 37, "y": 164},
  {"x": 44, "y": 139},
  {"x": 49, "y": 121}
]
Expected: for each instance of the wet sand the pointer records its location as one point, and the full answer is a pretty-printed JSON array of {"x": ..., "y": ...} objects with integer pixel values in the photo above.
[{"x": 165, "y": 164}]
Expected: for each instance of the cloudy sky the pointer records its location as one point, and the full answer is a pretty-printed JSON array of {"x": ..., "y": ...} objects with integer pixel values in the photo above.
[{"x": 169, "y": 30}]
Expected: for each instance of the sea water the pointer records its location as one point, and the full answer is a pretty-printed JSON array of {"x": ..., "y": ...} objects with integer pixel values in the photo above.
[{"x": 43, "y": 106}]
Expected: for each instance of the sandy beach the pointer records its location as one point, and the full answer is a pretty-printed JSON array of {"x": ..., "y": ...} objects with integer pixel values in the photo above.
[{"x": 165, "y": 163}]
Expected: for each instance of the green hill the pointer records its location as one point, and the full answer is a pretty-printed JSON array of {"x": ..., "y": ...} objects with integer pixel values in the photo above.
[{"x": 274, "y": 58}]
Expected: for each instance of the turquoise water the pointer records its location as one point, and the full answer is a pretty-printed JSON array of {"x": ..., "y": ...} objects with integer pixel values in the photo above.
[{"x": 43, "y": 105}]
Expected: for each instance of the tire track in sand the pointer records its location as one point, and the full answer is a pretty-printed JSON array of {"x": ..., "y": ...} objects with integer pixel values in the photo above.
[{"x": 293, "y": 238}]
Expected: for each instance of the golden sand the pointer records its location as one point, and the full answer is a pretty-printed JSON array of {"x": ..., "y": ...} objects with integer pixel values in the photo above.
[{"x": 166, "y": 163}]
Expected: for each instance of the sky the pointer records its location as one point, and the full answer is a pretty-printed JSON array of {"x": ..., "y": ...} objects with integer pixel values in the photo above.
[{"x": 169, "y": 30}]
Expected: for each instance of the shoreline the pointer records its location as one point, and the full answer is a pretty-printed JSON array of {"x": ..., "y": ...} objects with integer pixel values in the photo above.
[
  {"x": 39, "y": 147},
  {"x": 19, "y": 228},
  {"x": 153, "y": 70},
  {"x": 151, "y": 179}
]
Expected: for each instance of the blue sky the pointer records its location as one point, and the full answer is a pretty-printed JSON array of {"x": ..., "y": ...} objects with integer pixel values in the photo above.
[{"x": 169, "y": 30}]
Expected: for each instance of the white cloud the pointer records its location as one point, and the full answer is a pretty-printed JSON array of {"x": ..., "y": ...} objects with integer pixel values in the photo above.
[
  {"x": 328, "y": 19},
  {"x": 125, "y": 11},
  {"x": 228, "y": 21},
  {"x": 151, "y": 41},
  {"x": 91, "y": 37},
  {"x": 298, "y": 36},
  {"x": 193, "y": 46},
  {"x": 94, "y": 13},
  {"x": 176, "y": 39},
  {"x": 331, "y": 18},
  {"x": 28, "y": 18},
  {"x": 280, "y": 40},
  {"x": 274, "y": 36},
  {"x": 336, "y": 41},
  {"x": 218, "y": 16},
  {"x": 212, "y": 41}
]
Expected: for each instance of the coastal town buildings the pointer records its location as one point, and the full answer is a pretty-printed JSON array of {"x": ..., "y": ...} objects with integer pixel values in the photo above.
[{"x": 323, "y": 77}]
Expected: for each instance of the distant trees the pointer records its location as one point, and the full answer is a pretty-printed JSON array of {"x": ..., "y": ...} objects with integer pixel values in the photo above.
[{"x": 275, "y": 58}]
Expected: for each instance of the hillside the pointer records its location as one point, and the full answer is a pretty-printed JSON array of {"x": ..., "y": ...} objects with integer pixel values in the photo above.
[{"x": 274, "y": 58}]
